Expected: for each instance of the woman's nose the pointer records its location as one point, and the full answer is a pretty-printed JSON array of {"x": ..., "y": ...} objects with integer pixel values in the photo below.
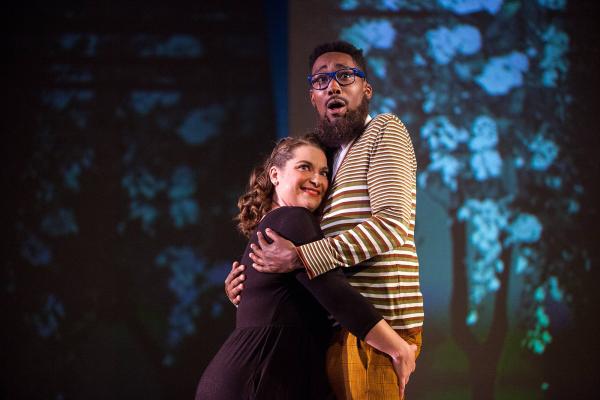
[{"x": 319, "y": 180}]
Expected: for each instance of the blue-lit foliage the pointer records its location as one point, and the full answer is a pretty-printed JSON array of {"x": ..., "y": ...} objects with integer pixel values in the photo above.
[
  {"x": 48, "y": 319},
  {"x": 185, "y": 267},
  {"x": 35, "y": 251},
  {"x": 59, "y": 223},
  {"x": 486, "y": 108},
  {"x": 201, "y": 124},
  {"x": 184, "y": 209}
]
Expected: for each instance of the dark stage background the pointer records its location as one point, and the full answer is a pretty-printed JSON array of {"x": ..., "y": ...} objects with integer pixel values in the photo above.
[{"x": 130, "y": 130}]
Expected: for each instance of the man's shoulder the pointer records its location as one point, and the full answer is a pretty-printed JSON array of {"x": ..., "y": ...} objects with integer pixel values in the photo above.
[
  {"x": 385, "y": 124},
  {"x": 385, "y": 117}
]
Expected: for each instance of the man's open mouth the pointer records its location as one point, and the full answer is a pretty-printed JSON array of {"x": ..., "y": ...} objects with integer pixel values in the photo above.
[{"x": 336, "y": 104}]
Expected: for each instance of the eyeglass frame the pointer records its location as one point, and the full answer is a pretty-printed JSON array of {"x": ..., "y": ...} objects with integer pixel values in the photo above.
[{"x": 333, "y": 75}]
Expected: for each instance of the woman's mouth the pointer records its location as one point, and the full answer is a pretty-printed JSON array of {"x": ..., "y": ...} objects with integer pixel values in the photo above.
[{"x": 311, "y": 192}]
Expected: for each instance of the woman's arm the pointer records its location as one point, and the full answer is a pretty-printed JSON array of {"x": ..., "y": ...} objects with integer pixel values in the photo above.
[
  {"x": 351, "y": 309},
  {"x": 385, "y": 339}
]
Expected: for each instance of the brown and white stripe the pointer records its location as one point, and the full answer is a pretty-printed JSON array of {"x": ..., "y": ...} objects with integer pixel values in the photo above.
[{"x": 369, "y": 220}]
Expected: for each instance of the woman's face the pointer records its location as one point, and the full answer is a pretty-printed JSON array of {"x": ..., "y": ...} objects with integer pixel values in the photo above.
[{"x": 302, "y": 181}]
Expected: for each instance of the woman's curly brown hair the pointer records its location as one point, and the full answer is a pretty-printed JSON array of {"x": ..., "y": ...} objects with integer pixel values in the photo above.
[{"x": 258, "y": 199}]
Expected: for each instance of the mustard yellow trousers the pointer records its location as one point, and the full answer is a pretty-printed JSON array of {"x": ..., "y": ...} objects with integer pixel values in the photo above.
[{"x": 358, "y": 371}]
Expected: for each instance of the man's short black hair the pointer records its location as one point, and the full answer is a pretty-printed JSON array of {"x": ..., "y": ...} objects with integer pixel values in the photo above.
[{"x": 339, "y": 47}]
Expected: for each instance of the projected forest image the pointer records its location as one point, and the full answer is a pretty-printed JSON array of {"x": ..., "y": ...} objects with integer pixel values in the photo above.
[{"x": 130, "y": 134}]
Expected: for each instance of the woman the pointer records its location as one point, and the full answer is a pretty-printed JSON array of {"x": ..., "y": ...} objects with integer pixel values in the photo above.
[{"x": 277, "y": 350}]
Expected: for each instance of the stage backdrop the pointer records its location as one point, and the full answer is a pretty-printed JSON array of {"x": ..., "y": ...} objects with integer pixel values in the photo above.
[
  {"x": 130, "y": 130},
  {"x": 492, "y": 93}
]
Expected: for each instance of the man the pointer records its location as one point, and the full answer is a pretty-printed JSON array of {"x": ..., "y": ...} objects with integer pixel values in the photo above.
[{"x": 368, "y": 220}]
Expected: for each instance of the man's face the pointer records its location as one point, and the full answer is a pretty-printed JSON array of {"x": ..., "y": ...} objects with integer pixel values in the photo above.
[{"x": 335, "y": 101}]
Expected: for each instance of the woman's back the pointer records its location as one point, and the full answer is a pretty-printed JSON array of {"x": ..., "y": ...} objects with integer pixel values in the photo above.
[{"x": 278, "y": 347}]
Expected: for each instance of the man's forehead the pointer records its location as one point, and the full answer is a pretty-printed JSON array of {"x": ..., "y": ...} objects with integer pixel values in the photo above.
[{"x": 333, "y": 59}]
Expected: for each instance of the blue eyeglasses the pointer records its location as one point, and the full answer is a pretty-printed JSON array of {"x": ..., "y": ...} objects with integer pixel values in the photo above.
[{"x": 344, "y": 77}]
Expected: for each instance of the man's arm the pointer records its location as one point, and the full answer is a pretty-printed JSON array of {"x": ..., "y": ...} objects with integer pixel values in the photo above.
[{"x": 391, "y": 184}]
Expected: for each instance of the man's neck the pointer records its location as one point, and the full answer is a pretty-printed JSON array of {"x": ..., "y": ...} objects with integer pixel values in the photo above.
[{"x": 349, "y": 142}]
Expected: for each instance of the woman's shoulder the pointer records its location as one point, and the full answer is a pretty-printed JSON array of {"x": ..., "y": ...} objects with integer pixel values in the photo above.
[
  {"x": 287, "y": 214},
  {"x": 297, "y": 224}
]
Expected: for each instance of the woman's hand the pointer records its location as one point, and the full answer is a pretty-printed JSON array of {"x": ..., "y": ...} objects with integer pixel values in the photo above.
[{"x": 404, "y": 365}]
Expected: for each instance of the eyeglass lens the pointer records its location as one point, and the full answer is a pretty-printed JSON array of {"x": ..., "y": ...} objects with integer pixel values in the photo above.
[{"x": 343, "y": 77}]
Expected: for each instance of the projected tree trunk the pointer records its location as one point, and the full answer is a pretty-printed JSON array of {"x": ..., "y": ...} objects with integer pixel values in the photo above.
[{"x": 483, "y": 355}]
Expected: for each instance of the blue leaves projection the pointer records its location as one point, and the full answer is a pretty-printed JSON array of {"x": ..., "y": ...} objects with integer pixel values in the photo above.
[
  {"x": 543, "y": 152},
  {"x": 370, "y": 34},
  {"x": 185, "y": 268},
  {"x": 174, "y": 46},
  {"x": 144, "y": 101},
  {"x": 554, "y": 61},
  {"x": 482, "y": 154},
  {"x": 184, "y": 209},
  {"x": 201, "y": 124},
  {"x": 553, "y": 4},
  {"x": 503, "y": 73},
  {"x": 485, "y": 159},
  {"x": 34, "y": 250},
  {"x": 445, "y": 44},
  {"x": 48, "y": 319},
  {"x": 60, "y": 223},
  {"x": 73, "y": 171},
  {"x": 471, "y": 6},
  {"x": 142, "y": 187},
  {"x": 60, "y": 99}
]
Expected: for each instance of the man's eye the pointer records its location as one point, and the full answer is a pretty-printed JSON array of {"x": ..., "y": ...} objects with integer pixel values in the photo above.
[
  {"x": 345, "y": 74},
  {"x": 320, "y": 79}
]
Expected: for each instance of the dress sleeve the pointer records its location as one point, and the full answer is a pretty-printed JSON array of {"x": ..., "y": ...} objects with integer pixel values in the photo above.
[
  {"x": 331, "y": 289},
  {"x": 391, "y": 186}
]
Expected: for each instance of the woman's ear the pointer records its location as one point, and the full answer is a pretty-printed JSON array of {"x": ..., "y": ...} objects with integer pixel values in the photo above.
[{"x": 274, "y": 175}]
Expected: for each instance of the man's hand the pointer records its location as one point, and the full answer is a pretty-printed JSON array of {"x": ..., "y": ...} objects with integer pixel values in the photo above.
[
  {"x": 279, "y": 256},
  {"x": 233, "y": 283},
  {"x": 404, "y": 365}
]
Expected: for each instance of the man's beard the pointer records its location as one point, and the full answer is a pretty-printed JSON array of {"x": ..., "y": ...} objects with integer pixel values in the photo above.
[{"x": 343, "y": 130}]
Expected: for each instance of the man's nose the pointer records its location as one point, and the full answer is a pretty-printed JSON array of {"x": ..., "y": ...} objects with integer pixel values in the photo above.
[{"x": 334, "y": 87}]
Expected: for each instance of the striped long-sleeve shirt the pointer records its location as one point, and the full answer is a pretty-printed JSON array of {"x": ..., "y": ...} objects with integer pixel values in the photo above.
[{"x": 369, "y": 220}]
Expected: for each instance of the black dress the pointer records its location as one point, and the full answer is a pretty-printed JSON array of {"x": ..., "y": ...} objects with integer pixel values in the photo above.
[{"x": 277, "y": 350}]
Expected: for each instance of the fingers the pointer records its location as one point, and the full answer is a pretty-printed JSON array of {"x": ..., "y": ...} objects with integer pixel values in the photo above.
[
  {"x": 272, "y": 234},
  {"x": 234, "y": 290},
  {"x": 262, "y": 242},
  {"x": 233, "y": 283},
  {"x": 257, "y": 260},
  {"x": 261, "y": 268},
  {"x": 236, "y": 270},
  {"x": 256, "y": 251}
]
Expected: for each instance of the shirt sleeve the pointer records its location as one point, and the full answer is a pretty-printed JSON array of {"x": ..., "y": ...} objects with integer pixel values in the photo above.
[
  {"x": 391, "y": 182},
  {"x": 331, "y": 289}
]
